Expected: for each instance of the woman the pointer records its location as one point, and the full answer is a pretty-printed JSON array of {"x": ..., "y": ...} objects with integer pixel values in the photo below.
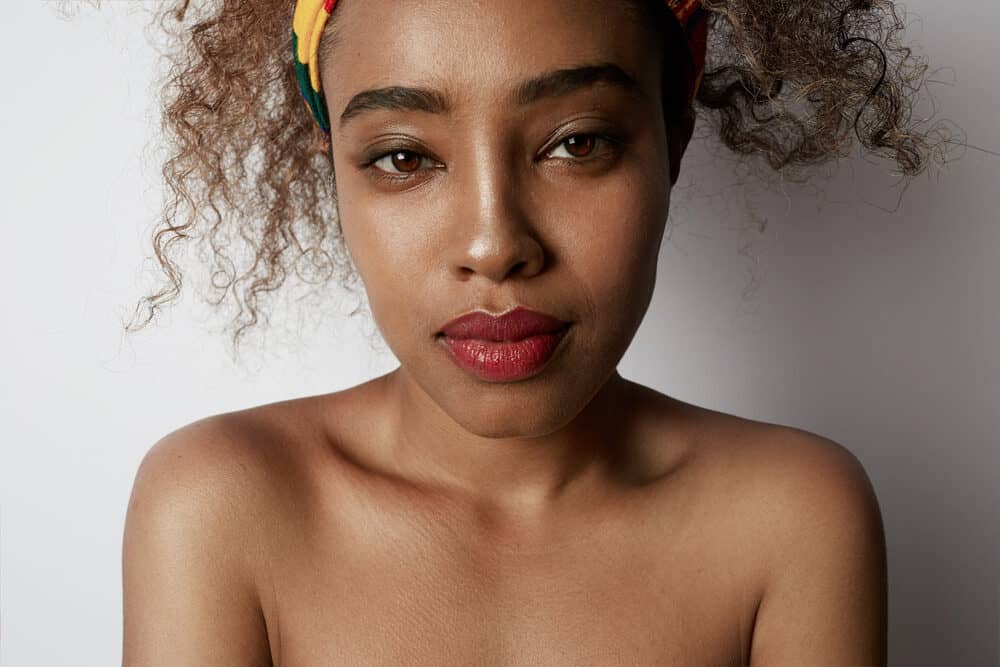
[{"x": 500, "y": 174}]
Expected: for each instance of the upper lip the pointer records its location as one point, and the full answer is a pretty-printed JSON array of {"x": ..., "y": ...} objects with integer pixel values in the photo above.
[{"x": 516, "y": 324}]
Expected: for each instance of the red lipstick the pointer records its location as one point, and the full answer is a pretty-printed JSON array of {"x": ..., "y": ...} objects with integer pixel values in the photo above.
[{"x": 511, "y": 347}]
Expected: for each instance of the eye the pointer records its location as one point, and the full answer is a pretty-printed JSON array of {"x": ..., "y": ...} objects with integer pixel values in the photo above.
[
  {"x": 579, "y": 146},
  {"x": 399, "y": 162},
  {"x": 402, "y": 163}
]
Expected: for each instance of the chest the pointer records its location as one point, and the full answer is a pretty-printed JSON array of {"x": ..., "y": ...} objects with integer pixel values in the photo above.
[{"x": 418, "y": 593}]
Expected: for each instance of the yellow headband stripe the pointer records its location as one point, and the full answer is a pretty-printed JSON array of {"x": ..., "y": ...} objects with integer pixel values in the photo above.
[{"x": 307, "y": 28}]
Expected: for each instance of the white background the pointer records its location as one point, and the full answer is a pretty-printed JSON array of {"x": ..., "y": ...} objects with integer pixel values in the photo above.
[{"x": 877, "y": 330}]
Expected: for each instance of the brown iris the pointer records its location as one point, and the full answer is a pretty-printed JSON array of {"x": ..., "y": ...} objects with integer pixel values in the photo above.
[
  {"x": 580, "y": 145},
  {"x": 406, "y": 161}
]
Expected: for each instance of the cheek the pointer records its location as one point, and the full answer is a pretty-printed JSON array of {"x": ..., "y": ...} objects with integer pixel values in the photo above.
[
  {"x": 399, "y": 259},
  {"x": 614, "y": 246},
  {"x": 391, "y": 250}
]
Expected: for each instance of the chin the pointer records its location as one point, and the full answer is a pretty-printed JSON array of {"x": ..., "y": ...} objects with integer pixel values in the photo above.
[
  {"x": 497, "y": 418},
  {"x": 530, "y": 408}
]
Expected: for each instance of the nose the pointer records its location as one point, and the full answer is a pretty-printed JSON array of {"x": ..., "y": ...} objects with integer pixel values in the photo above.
[{"x": 497, "y": 238}]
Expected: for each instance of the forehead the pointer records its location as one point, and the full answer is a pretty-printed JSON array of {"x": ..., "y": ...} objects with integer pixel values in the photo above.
[{"x": 476, "y": 49}]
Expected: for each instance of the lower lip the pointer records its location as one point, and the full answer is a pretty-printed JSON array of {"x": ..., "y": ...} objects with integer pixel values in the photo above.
[{"x": 503, "y": 361}]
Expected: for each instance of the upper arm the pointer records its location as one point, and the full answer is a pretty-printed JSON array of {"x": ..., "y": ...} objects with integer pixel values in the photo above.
[
  {"x": 825, "y": 600},
  {"x": 189, "y": 598}
]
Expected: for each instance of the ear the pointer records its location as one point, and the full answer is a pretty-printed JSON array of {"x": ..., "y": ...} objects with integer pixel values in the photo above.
[{"x": 678, "y": 137}]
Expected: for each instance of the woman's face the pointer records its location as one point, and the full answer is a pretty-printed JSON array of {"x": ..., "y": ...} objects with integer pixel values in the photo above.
[{"x": 477, "y": 192}]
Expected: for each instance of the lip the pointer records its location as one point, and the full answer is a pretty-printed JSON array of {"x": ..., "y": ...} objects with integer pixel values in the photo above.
[
  {"x": 510, "y": 347},
  {"x": 517, "y": 324}
]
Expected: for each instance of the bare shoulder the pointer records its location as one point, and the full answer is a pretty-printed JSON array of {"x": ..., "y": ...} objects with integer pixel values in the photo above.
[
  {"x": 794, "y": 470},
  {"x": 226, "y": 464},
  {"x": 826, "y": 597},
  {"x": 773, "y": 459},
  {"x": 201, "y": 461},
  {"x": 809, "y": 490},
  {"x": 774, "y": 463},
  {"x": 194, "y": 541},
  {"x": 226, "y": 471},
  {"x": 819, "y": 533}
]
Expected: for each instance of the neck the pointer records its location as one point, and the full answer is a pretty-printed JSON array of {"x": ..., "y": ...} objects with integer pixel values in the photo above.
[{"x": 520, "y": 473}]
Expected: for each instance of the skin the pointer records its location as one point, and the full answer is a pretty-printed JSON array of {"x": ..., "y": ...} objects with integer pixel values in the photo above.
[{"x": 429, "y": 517}]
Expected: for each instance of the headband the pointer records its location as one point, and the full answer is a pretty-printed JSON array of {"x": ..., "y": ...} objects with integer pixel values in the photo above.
[{"x": 311, "y": 17}]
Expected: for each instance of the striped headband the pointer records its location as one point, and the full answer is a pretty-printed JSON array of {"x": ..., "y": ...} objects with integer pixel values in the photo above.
[{"x": 311, "y": 17}]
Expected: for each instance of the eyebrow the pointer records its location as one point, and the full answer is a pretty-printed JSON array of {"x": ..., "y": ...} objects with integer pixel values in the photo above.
[{"x": 547, "y": 85}]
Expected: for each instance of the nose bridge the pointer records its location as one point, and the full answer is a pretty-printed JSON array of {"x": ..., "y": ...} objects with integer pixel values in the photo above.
[{"x": 499, "y": 236}]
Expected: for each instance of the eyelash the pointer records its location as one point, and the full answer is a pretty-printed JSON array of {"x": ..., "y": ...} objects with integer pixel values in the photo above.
[{"x": 614, "y": 145}]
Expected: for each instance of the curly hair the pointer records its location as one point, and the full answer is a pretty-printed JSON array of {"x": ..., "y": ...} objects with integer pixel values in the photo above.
[{"x": 792, "y": 81}]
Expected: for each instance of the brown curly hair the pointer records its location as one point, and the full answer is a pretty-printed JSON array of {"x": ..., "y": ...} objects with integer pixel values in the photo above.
[{"x": 793, "y": 81}]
